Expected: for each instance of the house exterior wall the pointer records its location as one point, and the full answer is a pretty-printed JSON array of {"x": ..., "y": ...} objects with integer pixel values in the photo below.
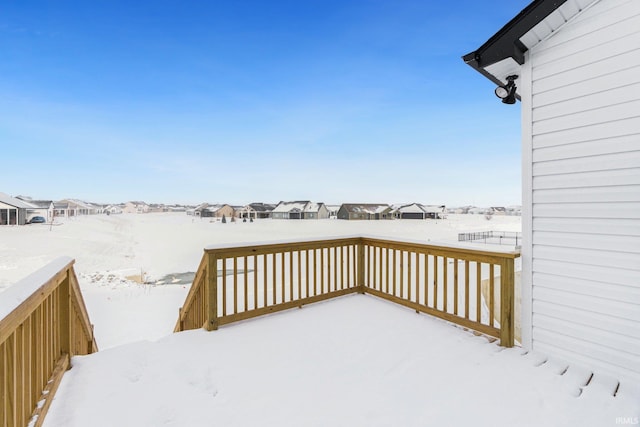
[
  {"x": 323, "y": 212},
  {"x": 226, "y": 210},
  {"x": 581, "y": 183},
  {"x": 11, "y": 215}
]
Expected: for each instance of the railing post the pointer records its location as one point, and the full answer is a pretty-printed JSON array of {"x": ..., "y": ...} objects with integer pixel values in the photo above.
[
  {"x": 360, "y": 267},
  {"x": 64, "y": 298},
  {"x": 507, "y": 321},
  {"x": 211, "y": 293}
]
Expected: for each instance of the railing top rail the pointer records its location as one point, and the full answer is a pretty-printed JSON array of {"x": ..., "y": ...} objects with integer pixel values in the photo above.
[
  {"x": 444, "y": 246},
  {"x": 30, "y": 290},
  {"x": 293, "y": 244},
  {"x": 284, "y": 244}
]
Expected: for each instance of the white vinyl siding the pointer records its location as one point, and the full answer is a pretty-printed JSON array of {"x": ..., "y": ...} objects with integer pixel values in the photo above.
[{"x": 585, "y": 183}]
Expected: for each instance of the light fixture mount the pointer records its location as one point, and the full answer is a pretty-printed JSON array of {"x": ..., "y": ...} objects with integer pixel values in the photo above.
[{"x": 508, "y": 92}]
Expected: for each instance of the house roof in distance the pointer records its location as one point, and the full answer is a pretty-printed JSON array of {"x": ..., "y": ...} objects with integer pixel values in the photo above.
[
  {"x": 12, "y": 201},
  {"x": 262, "y": 207},
  {"x": 370, "y": 208},
  {"x": 291, "y": 206}
]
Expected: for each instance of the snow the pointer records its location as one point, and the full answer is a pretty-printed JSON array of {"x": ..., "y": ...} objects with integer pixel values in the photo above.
[
  {"x": 356, "y": 360},
  {"x": 353, "y": 361},
  {"x": 20, "y": 291}
]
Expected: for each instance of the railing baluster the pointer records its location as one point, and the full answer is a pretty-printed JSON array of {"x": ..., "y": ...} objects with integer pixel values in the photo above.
[
  {"x": 418, "y": 277},
  {"x": 435, "y": 281},
  {"x": 491, "y": 298},
  {"x": 283, "y": 278},
  {"x": 445, "y": 291},
  {"x": 255, "y": 282},
  {"x": 265, "y": 280},
  {"x": 299, "y": 275},
  {"x": 335, "y": 268},
  {"x": 409, "y": 285},
  {"x": 315, "y": 271},
  {"x": 426, "y": 279},
  {"x": 455, "y": 286},
  {"x": 478, "y": 291},
  {"x": 394, "y": 272},
  {"x": 274, "y": 286},
  {"x": 235, "y": 285},
  {"x": 466, "y": 289},
  {"x": 306, "y": 272},
  {"x": 246, "y": 284},
  {"x": 374, "y": 261},
  {"x": 224, "y": 286},
  {"x": 401, "y": 274},
  {"x": 322, "y": 270},
  {"x": 291, "y": 298}
]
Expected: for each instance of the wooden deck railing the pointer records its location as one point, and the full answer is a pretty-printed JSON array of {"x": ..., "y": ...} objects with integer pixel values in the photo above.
[
  {"x": 240, "y": 282},
  {"x": 37, "y": 339}
]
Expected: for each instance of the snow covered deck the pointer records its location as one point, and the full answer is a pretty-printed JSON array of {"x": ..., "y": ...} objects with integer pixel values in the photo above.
[{"x": 352, "y": 361}]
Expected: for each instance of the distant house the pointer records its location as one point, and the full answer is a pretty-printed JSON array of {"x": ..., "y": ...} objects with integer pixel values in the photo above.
[
  {"x": 497, "y": 210},
  {"x": 135, "y": 207},
  {"x": 574, "y": 66},
  {"x": 435, "y": 211},
  {"x": 419, "y": 211},
  {"x": 479, "y": 211},
  {"x": 300, "y": 210},
  {"x": 289, "y": 210},
  {"x": 460, "y": 210},
  {"x": 12, "y": 211},
  {"x": 43, "y": 208},
  {"x": 113, "y": 209},
  {"x": 155, "y": 208},
  {"x": 211, "y": 210},
  {"x": 176, "y": 208},
  {"x": 256, "y": 211},
  {"x": 514, "y": 210},
  {"x": 74, "y": 207},
  {"x": 333, "y": 210},
  {"x": 364, "y": 211},
  {"x": 315, "y": 211}
]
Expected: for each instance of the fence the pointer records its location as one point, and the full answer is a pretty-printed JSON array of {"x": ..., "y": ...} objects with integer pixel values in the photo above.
[
  {"x": 37, "y": 339},
  {"x": 237, "y": 283},
  {"x": 492, "y": 237}
]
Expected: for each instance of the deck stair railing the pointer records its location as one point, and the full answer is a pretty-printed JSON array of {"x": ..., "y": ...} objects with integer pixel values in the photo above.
[
  {"x": 238, "y": 282},
  {"x": 46, "y": 326}
]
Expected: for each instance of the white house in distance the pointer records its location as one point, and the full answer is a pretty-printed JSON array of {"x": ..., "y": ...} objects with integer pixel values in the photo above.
[
  {"x": 135, "y": 207},
  {"x": 256, "y": 211},
  {"x": 74, "y": 207},
  {"x": 577, "y": 64},
  {"x": 12, "y": 211},
  {"x": 43, "y": 208},
  {"x": 300, "y": 210},
  {"x": 418, "y": 211}
]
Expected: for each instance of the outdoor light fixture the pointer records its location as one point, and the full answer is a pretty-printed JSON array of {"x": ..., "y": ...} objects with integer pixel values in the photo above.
[{"x": 507, "y": 92}]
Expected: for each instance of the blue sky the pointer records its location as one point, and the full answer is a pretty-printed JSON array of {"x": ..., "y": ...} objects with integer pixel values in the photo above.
[{"x": 241, "y": 101}]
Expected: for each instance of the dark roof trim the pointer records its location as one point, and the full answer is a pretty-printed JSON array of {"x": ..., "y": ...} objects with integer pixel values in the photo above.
[{"x": 506, "y": 42}]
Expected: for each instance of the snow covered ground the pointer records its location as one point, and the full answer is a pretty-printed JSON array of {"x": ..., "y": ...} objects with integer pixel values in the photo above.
[{"x": 352, "y": 361}]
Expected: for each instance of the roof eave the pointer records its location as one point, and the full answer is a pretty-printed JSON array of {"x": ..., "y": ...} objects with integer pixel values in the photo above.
[{"x": 506, "y": 42}]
